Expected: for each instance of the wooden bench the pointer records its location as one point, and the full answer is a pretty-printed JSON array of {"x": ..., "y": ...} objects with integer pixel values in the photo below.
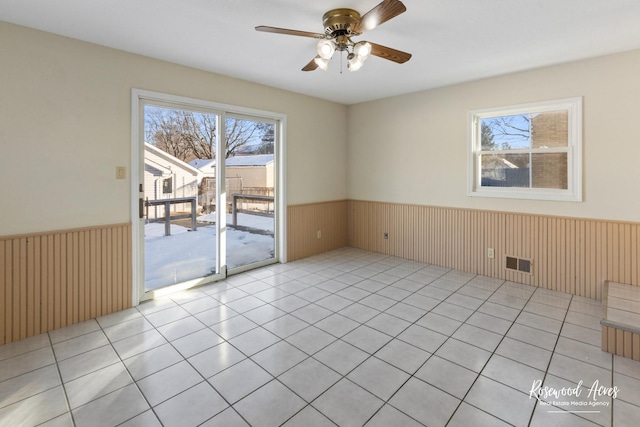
[{"x": 621, "y": 320}]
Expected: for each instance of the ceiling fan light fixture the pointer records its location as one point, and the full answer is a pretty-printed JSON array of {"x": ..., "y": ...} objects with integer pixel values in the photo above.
[
  {"x": 362, "y": 50},
  {"x": 355, "y": 62},
  {"x": 326, "y": 48},
  {"x": 322, "y": 63}
]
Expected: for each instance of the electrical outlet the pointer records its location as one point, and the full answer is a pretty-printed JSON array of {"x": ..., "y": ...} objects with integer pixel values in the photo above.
[
  {"x": 491, "y": 253},
  {"x": 319, "y": 234},
  {"x": 386, "y": 235}
]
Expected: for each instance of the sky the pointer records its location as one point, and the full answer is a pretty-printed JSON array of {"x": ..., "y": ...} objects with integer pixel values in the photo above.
[{"x": 500, "y": 126}]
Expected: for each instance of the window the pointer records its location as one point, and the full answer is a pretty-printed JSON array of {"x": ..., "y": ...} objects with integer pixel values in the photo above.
[
  {"x": 531, "y": 151},
  {"x": 167, "y": 186}
]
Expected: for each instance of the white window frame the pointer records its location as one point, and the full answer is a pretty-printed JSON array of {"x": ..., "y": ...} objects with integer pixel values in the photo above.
[{"x": 573, "y": 193}]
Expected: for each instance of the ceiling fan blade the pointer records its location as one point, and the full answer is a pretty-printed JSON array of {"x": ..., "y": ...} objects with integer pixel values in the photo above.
[
  {"x": 311, "y": 65},
  {"x": 389, "y": 53},
  {"x": 288, "y": 32},
  {"x": 380, "y": 14}
]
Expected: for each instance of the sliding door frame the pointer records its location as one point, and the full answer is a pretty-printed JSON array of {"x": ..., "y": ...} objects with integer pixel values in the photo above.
[{"x": 141, "y": 97}]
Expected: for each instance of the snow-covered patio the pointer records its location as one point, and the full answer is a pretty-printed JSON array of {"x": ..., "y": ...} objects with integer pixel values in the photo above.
[{"x": 186, "y": 254}]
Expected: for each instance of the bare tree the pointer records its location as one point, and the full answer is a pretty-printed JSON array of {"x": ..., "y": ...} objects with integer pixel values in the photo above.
[
  {"x": 508, "y": 130},
  {"x": 238, "y": 133},
  {"x": 190, "y": 135},
  {"x": 199, "y": 133},
  {"x": 163, "y": 131},
  {"x": 507, "y": 133}
]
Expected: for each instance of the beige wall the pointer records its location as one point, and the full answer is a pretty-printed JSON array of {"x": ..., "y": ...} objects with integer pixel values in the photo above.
[
  {"x": 413, "y": 148},
  {"x": 66, "y": 122}
]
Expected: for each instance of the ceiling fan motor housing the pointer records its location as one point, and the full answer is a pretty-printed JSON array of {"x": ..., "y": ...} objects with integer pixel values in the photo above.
[{"x": 337, "y": 21}]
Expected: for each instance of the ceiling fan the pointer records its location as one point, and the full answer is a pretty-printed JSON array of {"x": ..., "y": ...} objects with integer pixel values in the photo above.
[{"x": 342, "y": 24}]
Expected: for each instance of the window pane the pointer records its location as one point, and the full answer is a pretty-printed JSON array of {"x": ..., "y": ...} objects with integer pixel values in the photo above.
[
  {"x": 550, "y": 129},
  {"x": 250, "y": 173},
  {"x": 178, "y": 245},
  {"x": 506, "y": 132},
  {"x": 505, "y": 170},
  {"x": 549, "y": 170}
]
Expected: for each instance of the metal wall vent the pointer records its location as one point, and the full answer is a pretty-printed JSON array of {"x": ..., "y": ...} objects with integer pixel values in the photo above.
[{"x": 519, "y": 264}]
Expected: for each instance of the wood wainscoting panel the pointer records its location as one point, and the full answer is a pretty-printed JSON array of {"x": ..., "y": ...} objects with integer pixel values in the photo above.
[
  {"x": 621, "y": 342},
  {"x": 571, "y": 255},
  {"x": 54, "y": 279},
  {"x": 304, "y": 222}
]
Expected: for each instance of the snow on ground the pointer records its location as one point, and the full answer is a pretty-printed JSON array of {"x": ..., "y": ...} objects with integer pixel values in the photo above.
[
  {"x": 244, "y": 219},
  {"x": 186, "y": 255}
]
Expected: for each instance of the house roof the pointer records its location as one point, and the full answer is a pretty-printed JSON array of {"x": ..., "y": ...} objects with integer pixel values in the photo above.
[
  {"x": 209, "y": 165},
  {"x": 251, "y": 160},
  {"x": 167, "y": 160},
  {"x": 204, "y": 165}
]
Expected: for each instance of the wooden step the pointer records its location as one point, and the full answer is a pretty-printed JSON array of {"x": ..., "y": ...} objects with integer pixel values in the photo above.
[{"x": 621, "y": 319}]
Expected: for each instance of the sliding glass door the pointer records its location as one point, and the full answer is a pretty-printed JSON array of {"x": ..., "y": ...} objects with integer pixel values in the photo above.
[
  {"x": 207, "y": 193},
  {"x": 179, "y": 243},
  {"x": 250, "y": 188}
]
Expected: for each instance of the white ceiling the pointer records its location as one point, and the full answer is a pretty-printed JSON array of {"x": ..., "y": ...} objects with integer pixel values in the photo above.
[{"x": 451, "y": 40}]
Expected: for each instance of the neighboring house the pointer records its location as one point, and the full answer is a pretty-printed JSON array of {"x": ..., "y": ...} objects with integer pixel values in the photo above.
[
  {"x": 167, "y": 177},
  {"x": 207, "y": 167},
  {"x": 246, "y": 174},
  {"x": 256, "y": 171},
  {"x": 498, "y": 171},
  {"x": 549, "y": 130}
]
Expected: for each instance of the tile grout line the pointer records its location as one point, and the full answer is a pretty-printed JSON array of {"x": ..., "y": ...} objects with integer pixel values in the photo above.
[{"x": 62, "y": 384}]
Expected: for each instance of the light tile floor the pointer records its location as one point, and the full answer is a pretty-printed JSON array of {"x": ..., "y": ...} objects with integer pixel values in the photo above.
[{"x": 345, "y": 338}]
